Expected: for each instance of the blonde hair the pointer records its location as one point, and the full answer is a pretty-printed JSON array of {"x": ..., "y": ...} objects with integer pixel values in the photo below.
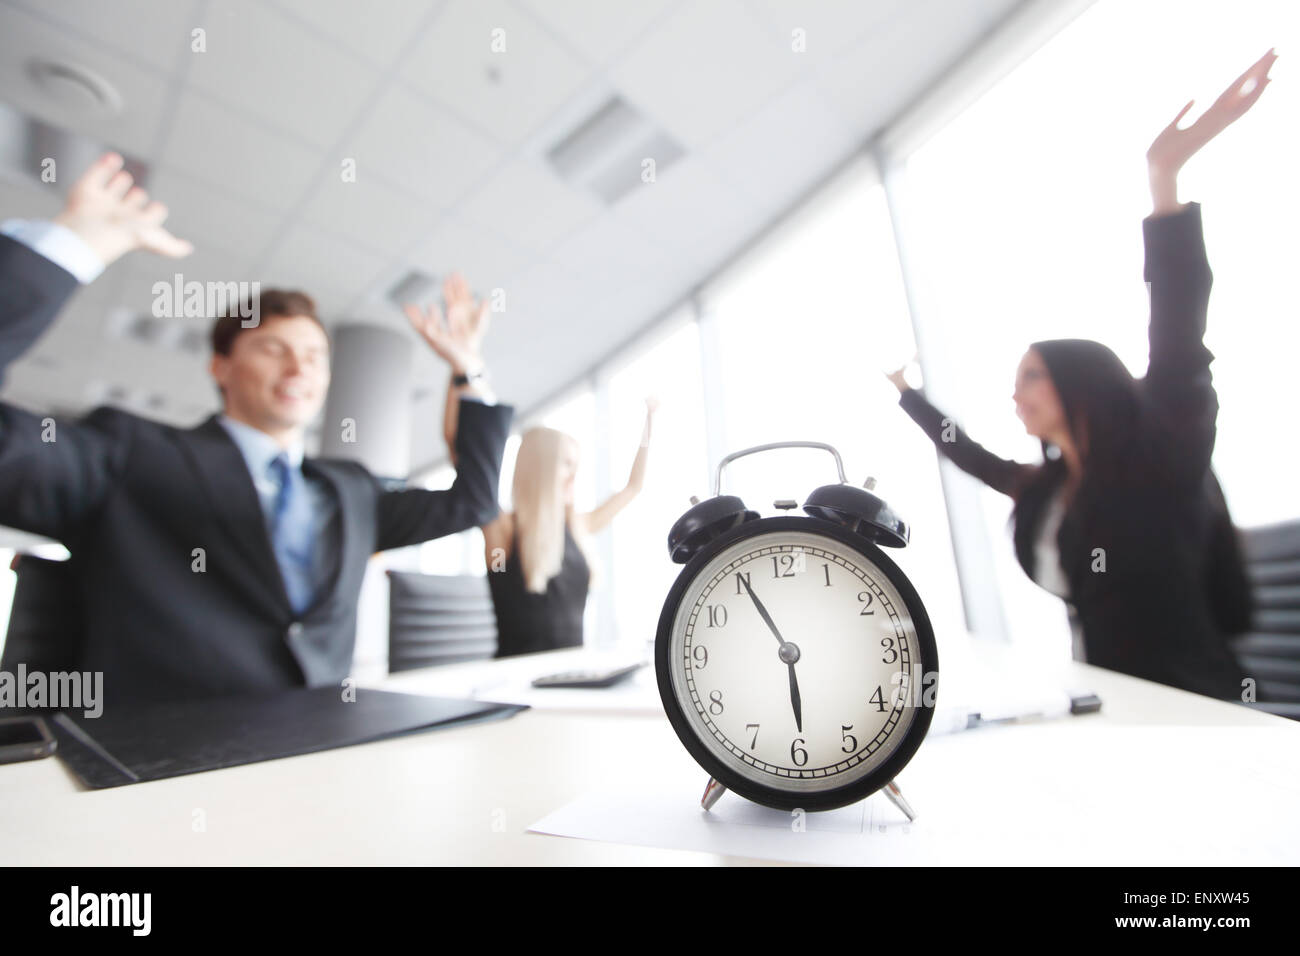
[{"x": 540, "y": 516}]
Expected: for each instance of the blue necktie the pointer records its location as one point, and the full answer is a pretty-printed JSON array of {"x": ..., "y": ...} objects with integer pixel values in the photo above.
[{"x": 291, "y": 533}]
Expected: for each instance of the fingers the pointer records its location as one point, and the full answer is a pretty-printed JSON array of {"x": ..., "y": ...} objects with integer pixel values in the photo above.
[
  {"x": 422, "y": 322},
  {"x": 431, "y": 324},
  {"x": 1258, "y": 69},
  {"x": 1181, "y": 114},
  {"x": 154, "y": 213},
  {"x": 1246, "y": 89},
  {"x": 164, "y": 243},
  {"x": 454, "y": 289},
  {"x": 119, "y": 184},
  {"x": 101, "y": 171},
  {"x": 137, "y": 198}
]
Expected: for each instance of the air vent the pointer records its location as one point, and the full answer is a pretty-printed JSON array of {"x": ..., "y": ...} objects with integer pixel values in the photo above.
[
  {"x": 605, "y": 154},
  {"x": 28, "y": 144},
  {"x": 75, "y": 87},
  {"x": 416, "y": 286}
]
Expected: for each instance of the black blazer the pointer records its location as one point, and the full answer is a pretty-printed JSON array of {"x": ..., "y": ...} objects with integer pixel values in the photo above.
[
  {"x": 1152, "y": 611},
  {"x": 132, "y": 499}
]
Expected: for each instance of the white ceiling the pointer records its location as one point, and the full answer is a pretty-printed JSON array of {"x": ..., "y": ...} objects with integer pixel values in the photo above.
[{"x": 246, "y": 142}]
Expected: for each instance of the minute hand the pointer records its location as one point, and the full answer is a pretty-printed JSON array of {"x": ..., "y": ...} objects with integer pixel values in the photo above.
[
  {"x": 762, "y": 611},
  {"x": 796, "y": 701}
]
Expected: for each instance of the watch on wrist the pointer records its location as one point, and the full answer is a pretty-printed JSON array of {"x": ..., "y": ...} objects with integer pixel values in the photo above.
[{"x": 465, "y": 378}]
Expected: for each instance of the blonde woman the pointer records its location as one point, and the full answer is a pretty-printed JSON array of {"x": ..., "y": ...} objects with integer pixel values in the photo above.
[{"x": 538, "y": 555}]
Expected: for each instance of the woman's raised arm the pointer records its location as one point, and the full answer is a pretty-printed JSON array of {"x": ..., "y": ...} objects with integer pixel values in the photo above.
[
  {"x": 1178, "y": 383},
  {"x": 594, "y": 521},
  {"x": 1000, "y": 474}
]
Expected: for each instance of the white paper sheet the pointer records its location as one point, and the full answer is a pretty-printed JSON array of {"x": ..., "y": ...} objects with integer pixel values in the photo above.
[{"x": 1065, "y": 793}]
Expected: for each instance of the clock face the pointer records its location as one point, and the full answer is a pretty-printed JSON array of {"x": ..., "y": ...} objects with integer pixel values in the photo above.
[{"x": 797, "y": 664}]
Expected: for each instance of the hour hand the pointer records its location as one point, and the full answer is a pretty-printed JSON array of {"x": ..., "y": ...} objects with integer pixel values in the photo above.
[{"x": 795, "y": 701}]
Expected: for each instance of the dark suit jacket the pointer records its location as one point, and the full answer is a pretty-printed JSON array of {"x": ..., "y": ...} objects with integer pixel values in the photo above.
[
  {"x": 1162, "y": 524},
  {"x": 132, "y": 499}
]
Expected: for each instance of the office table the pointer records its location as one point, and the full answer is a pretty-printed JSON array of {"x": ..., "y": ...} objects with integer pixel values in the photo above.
[{"x": 465, "y": 795}]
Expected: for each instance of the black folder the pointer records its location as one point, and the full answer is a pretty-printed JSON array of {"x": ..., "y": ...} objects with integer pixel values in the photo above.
[{"x": 132, "y": 743}]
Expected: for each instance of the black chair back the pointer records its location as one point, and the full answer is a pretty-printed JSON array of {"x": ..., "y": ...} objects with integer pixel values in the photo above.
[
  {"x": 1270, "y": 650},
  {"x": 438, "y": 619},
  {"x": 46, "y": 626}
]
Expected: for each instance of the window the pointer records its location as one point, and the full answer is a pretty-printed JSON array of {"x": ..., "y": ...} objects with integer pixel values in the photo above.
[
  {"x": 1025, "y": 212},
  {"x": 676, "y": 469},
  {"x": 806, "y": 327}
]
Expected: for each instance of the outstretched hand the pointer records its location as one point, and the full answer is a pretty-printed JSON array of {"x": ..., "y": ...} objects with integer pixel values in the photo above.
[
  {"x": 651, "y": 406},
  {"x": 899, "y": 377},
  {"x": 457, "y": 337},
  {"x": 1174, "y": 146},
  {"x": 114, "y": 216}
]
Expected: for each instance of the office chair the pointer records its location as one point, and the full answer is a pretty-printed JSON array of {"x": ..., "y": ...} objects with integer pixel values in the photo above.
[
  {"x": 45, "y": 622},
  {"x": 438, "y": 619},
  {"x": 1270, "y": 650}
]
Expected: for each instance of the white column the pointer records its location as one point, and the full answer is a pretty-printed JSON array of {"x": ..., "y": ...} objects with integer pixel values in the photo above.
[{"x": 368, "y": 411}]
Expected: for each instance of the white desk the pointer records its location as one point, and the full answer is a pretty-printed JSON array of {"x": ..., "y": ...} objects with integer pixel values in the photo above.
[{"x": 460, "y": 796}]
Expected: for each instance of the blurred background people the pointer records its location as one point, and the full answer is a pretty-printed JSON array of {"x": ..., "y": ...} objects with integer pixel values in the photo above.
[{"x": 538, "y": 555}]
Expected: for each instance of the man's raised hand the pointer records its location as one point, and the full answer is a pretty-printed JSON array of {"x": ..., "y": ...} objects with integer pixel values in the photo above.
[
  {"x": 114, "y": 216},
  {"x": 457, "y": 336}
]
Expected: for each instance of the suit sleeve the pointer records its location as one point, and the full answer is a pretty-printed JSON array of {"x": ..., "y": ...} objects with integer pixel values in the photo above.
[
  {"x": 52, "y": 473},
  {"x": 32, "y": 290},
  {"x": 1001, "y": 474},
  {"x": 1178, "y": 386},
  {"x": 415, "y": 514}
]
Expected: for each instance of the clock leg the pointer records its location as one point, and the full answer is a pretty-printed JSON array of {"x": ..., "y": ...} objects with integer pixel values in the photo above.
[
  {"x": 712, "y": 792},
  {"x": 896, "y": 798}
]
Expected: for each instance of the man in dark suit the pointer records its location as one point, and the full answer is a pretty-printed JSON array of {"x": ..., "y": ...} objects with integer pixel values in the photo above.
[{"x": 214, "y": 560}]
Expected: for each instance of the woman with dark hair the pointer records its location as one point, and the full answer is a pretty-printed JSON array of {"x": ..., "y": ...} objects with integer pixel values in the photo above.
[{"x": 1124, "y": 518}]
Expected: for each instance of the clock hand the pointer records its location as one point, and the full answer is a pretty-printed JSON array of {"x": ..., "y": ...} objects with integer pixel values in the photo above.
[
  {"x": 795, "y": 700},
  {"x": 789, "y": 653},
  {"x": 762, "y": 611}
]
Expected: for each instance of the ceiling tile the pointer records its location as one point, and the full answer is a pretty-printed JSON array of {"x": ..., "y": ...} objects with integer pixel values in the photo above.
[
  {"x": 881, "y": 75},
  {"x": 830, "y": 26},
  {"x": 772, "y": 176},
  {"x": 155, "y": 35},
  {"x": 419, "y": 147},
  {"x": 330, "y": 269},
  {"x": 693, "y": 209},
  {"x": 706, "y": 67},
  {"x": 506, "y": 93},
  {"x": 611, "y": 253},
  {"x": 530, "y": 205},
  {"x": 265, "y": 63},
  {"x": 213, "y": 143},
  {"x": 369, "y": 213},
  {"x": 598, "y": 29},
  {"x": 484, "y": 257},
  {"x": 211, "y": 217},
  {"x": 357, "y": 27}
]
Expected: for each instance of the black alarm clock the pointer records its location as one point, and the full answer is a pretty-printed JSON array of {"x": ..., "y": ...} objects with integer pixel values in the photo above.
[{"x": 795, "y": 660}]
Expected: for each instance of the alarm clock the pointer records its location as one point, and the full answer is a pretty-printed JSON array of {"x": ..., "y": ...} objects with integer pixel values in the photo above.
[{"x": 794, "y": 659}]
